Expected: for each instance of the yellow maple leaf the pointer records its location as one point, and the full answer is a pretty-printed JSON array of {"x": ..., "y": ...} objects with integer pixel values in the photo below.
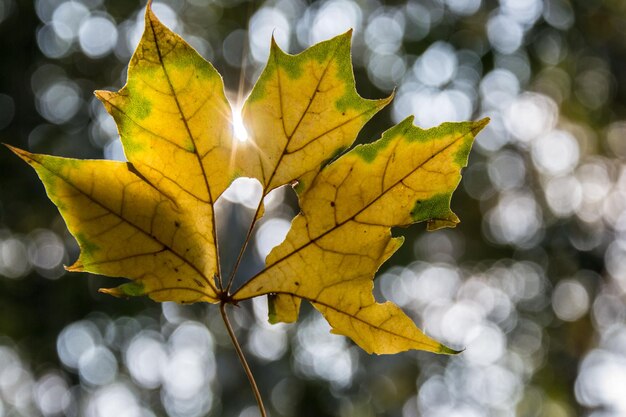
[
  {"x": 343, "y": 234},
  {"x": 303, "y": 111},
  {"x": 152, "y": 218}
]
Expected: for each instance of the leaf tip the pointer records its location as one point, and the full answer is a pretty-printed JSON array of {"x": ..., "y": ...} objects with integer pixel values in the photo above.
[
  {"x": 383, "y": 102},
  {"x": 130, "y": 289},
  {"x": 479, "y": 125},
  {"x": 112, "y": 291},
  {"x": 103, "y": 95},
  {"x": 150, "y": 16},
  {"x": 436, "y": 224},
  {"x": 12, "y": 148},
  {"x": 403, "y": 126},
  {"x": 75, "y": 267},
  {"x": 445, "y": 350},
  {"x": 25, "y": 155},
  {"x": 273, "y": 44}
]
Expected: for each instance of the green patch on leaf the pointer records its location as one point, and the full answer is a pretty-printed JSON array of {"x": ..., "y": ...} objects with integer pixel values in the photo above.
[
  {"x": 448, "y": 351},
  {"x": 436, "y": 207},
  {"x": 336, "y": 154},
  {"x": 461, "y": 156},
  {"x": 87, "y": 247},
  {"x": 299, "y": 187},
  {"x": 271, "y": 307},
  {"x": 140, "y": 107},
  {"x": 133, "y": 289},
  {"x": 259, "y": 89},
  {"x": 445, "y": 129},
  {"x": 188, "y": 58},
  {"x": 369, "y": 151},
  {"x": 292, "y": 65},
  {"x": 130, "y": 289},
  {"x": 131, "y": 145}
]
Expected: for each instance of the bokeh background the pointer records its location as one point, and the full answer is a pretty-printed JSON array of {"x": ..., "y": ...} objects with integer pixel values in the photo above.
[{"x": 532, "y": 282}]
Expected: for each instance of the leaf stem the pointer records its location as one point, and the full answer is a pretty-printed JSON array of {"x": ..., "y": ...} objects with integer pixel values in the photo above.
[
  {"x": 242, "y": 359},
  {"x": 231, "y": 278}
]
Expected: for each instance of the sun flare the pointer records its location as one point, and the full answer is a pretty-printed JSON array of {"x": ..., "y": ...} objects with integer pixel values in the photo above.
[{"x": 239, "y": 129}]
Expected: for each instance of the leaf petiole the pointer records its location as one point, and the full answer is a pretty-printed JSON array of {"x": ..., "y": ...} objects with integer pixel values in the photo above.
[
  {"x": 231, "y": 278},
  {"x": 242, "y": 359}
]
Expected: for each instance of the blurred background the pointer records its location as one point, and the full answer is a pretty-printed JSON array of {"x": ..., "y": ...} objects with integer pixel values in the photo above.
[{"x": 532, "y": 282}]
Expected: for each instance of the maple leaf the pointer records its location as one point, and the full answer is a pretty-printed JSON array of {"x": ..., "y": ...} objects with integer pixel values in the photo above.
[
  {"x": 152, "y": 219},
  {"x": 343, "y": 234}
]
